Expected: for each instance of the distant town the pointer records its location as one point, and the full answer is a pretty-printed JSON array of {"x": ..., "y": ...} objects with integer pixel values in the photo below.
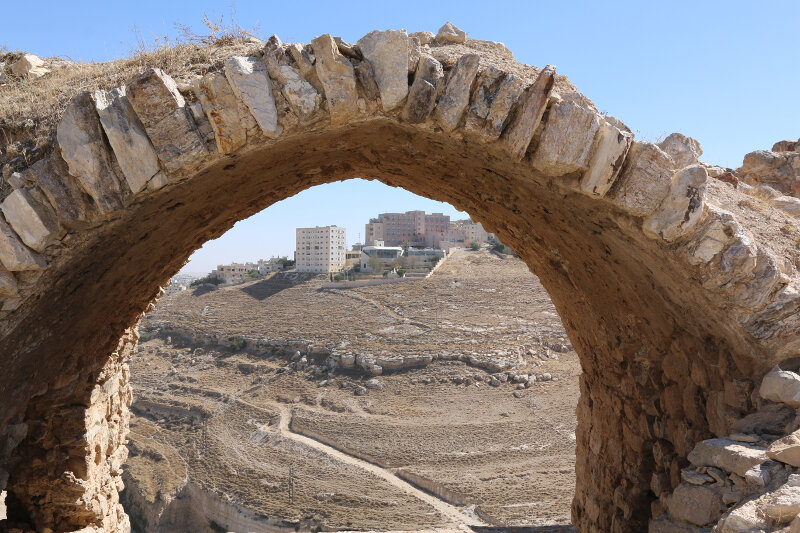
[{"x": 396, "y": 245}]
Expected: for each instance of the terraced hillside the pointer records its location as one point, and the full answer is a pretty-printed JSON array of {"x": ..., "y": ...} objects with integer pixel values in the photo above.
[{"x": 287, "y": 402}]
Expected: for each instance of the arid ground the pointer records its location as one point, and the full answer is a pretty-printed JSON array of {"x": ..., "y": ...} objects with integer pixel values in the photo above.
[{"x": 246, "y": 420}]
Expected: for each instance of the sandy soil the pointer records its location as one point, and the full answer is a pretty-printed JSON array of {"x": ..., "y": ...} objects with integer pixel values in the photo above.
[{"x": 436, "y": 446}]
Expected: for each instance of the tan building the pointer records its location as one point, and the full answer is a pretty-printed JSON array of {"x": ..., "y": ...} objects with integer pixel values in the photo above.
[
  {"x": 412, "y": 228},
  {"x": 473, "y": 231},
  {"x": 320, "y": 249},
  {"x": 233, "y": 273}
]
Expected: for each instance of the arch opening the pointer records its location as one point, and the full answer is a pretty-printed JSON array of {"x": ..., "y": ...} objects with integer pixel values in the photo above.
[{"x": 675, "y": 297}]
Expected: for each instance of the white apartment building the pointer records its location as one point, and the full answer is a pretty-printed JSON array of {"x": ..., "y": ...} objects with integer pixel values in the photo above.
[{"x": 320, "y": 249}]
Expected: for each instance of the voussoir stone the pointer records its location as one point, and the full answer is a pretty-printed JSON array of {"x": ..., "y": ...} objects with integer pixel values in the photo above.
[
  {"x": 62, "y": 190},
  {"x": 680, "y": 211},
  {"x": 567, "y": 139},
  {"x": 508, "y": 92},
  {"x": 220, "y": 105},
  {"x": 422, "y": 95},
  {"x": 455, "y": 98},
  {"x": 449, "y": 33},
  {"x": 481, "y": 98},
  {"x": 82, "y": 143},
  {"x": 683, "y": 150},
  {"x": 729, "y": 455},
  {"x": 645, "y": 180},
  {"x": 387, "y": 51},
  {"x": 300, "y": 94},
  {"x": 34, "y": 222},
  {"x": 135, "y": 154},
  {"x": 14, "y": 255},
  {"x": 517, "y": 136},
  {"x": 781, "y": 386},
  {"x": 337, "y": 76},
  {"x": 611, "y": 147},
  {"x": 163, "y": 112},
  {"x": 249, "y": 81}
]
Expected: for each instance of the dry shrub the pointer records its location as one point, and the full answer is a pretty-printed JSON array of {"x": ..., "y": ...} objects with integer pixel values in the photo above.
[{"x": 30, "y": 109}]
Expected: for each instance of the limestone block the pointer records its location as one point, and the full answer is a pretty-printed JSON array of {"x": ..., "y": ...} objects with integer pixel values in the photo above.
[
  {"x": 302, "y": 60},
  {"x": 449, "y": 33},
  {"x": 699, "y": 505},
  {"x": 781, "y": 386},
  {"x": 786, "y": 449},
  {"x": 783, "y": 505},
  {"x": 567, "y": 139},
  {"x": 683, "y": 150},
  {"x": 743, "y": 519},
  {"x": 164, "y": 115},
  {"x": 424, "y": 37},
  {"x": 82, "y": 143},
  {"x": 422, "y": 95},
  {"x": 135, "y": 154},
  {"x": 414, "y": 53},
  {"x": 337, "y": 76},
  {"x": 29, "y": 66},
  {"x": 772, "y": 419},
  {"x": 454, "y": 100},
  {"x": 35, "y": 223},
  {"x": 250, "y": 83},
  {"x": 788, "y": 204},
  {"x": 221, "y": 107},
  {"x": 779, "y": 170},
  {"x": 14, "y": 255},
  {"x": 645, "y": 181},
  {"x": 519, "y": 133},
  {"x": 507, "y": 94},
  {"x": 481, "y": 98},
  {"x": 8, "y": 284},
  {"x": 387, "y": 51},
  {"x": 611, "y": 147},
  {"x": 680, "y": 211},
  {"x": 62, "y": 190},
  {"x": 366, "y": 77},
  {"x": 300, "y": 94},
  {"x": 731, "y": 456}
]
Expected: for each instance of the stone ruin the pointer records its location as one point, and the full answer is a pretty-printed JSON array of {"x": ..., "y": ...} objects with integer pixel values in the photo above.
[{"x": 677, "y": 281}]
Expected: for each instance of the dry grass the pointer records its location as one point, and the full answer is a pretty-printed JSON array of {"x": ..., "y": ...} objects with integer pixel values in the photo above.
[{"x": 30, "y": 109}]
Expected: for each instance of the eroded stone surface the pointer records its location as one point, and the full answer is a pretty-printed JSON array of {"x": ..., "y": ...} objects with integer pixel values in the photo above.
[
  {"x": 34, "y": 223},
  {"x": 612, "y": 145},
  {"x": 683, "y": 150},
  {"x": 781, "y": 386},
  {"x": 422, "y": 95},
  {"x": 453, "y": 102},
  {"x": 567, "y": 139},
  {"x": 387, "y": 52},
  {"x": 14, "y": 255},
  {"x": 162, "y": 111},
  {"x": 336, "y": 74},
  {"x": 221, "y": 107},
  {"x": 249, "y": 81},
  {"x": 136, "y": 156},
  {"x": 300, "y": 94},
  {"x": 645, "y": 180},
  {"x": 681, "y": 210},
  {"x": 82, "y": 144},
  {"x": 519, "y": 132},
  {"x": 449, "y": 33}
]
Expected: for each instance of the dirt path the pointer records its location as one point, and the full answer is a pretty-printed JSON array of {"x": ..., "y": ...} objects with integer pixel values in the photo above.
[{"x": 450, "y": 511}]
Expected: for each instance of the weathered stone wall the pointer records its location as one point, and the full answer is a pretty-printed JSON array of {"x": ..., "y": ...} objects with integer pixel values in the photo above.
[{"x": 677, "y": 291}]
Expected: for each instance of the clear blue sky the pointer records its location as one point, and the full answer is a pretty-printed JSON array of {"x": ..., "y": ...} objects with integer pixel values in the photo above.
[{"x": 726, "y": 73}]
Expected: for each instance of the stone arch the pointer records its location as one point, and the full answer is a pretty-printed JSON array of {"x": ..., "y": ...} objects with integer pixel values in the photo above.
[{"x": 675, "y": 292}]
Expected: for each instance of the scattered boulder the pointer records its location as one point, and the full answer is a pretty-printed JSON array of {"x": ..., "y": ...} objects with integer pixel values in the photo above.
[
  {"x": 374, "y": 384},
  {"x": 360, "y": 391},
  {"x": 449, "y": 33},
  {"x": 786, "y": 449},
  {"x": 684, "y": 150},
  {"x": 699, "y": 505},
  {"x": 29, "y": 66},
  {"x": 781, "y": 386}
]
